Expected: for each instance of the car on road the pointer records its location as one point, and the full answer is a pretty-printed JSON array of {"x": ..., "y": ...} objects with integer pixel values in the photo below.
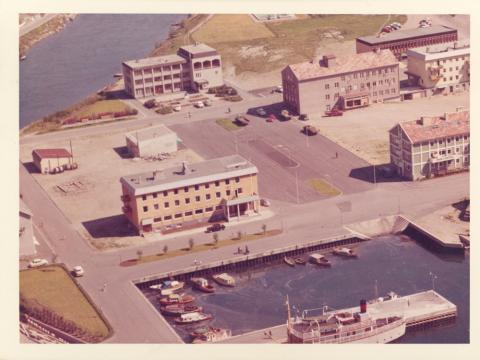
[
  {"x": 309, "y": 130},
  {"x": 303, "y": 117},
  {"x": 242, "y": 120},
  {"x": 207, "y": 102},
  {"x": 77, "y": 271},
  {"x": 198, "y": 104},
  {"x": 37, "y": 262},
  {"x": 215, "y": 227},
  {"x": 334, "y": 112},
  {"x": 265, "y": 202},
  {"x": 177, "y": 107},
  {"x": 271, "y": 118},
  {"x": 261, "y": 112}
]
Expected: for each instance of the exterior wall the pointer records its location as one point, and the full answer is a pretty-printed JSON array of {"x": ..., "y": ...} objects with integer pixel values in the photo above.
[
  {"x": 164, "y": 144},
  {"x": 207, "y": 68},
  {"x": 26, "y": 238},
  {"x": 199, "y": 202},
  {"x": 322, "y": 94},
  {"x": 290, "y": 90},
  {"x": 46, "y": 165}
]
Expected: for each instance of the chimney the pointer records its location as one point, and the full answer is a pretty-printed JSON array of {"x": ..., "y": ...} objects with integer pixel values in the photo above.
[
  {"x": 328, "y": 60},
  {"x": 184, "y": 167},
  {"x": 363, "y": 306}
]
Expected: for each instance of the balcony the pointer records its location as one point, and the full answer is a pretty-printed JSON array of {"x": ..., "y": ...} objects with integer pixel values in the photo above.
[{"x": 441, "y": 158}]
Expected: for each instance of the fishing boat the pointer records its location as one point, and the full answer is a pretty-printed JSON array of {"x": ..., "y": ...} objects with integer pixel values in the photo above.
[
  {"x": 179, "y": 309},
  {"x": 209, "y": 334},
  {"x": 224, "y": 279},
  {"x": 340, "y": 327},
  {"x": 193, "y": 317},
  {"x": 23, "y": 57},
  {"x": 300, "y": 261},
  {"x": 319, "y": 259},
  {"x": 289, "y": 261},
  {"x": 345, "y": 251},
  {"x": 168, "y": 287},
  {"x": 174, "y": 299},
  {"x": 202, "y": 284}
]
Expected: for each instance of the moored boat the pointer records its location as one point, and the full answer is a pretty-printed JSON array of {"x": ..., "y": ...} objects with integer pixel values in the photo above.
[
  {"x": 168, "y": 287},
  {"x": 344, "y": 251},
  {"x": 289, "y": 261},
  {"x": 193, "y": 317},
  {"x": 319, "y": 259},
  {"x": 224, "y": 279},
  {"x": 300, "y": 261},
  {"x": 176, "y": 299},
  {"x": 178, "y": 309},
  {"x": 202, "y": 284},
  {"x": 209, "y": 334}
]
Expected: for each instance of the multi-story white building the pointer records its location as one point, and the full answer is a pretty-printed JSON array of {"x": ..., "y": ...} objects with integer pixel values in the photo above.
[
  {"x": 193, "y": 68},
  {"x": 431, "y": 146}
]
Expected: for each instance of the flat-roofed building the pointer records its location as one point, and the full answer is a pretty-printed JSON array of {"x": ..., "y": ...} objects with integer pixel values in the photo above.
[
  {"x": 46, "y": 160},
  {"x": 193, "y": 68},
  {"x": 217, "y": 189},
  {"x": 400, "y": 41},
  {"x": 345, "y": 82},
  {"x": 431, "y": 146},
  {"x": 26, "y": 238},
  {"x": 151, "y": 141},
  {"x": 444, "y": 67}
]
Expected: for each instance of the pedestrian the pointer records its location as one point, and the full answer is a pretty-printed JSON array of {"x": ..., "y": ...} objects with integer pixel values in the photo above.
[
  {"x": 265, "y": 334},
  {"x": 229, "y": 110},
  {"x": 239, "y": 251},
  {"x": 270, "y": 333},
  {"x": 246, "y": 249},
  {"x": 336, "y": 155}
]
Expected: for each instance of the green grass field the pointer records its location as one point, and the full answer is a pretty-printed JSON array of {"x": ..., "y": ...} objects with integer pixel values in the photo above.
[
  {"x": 228, "y": 124},
  {"x": 323, "y": 187},
  {"x": 101, "y": 107},
  {"x": 51, "y": 287}
]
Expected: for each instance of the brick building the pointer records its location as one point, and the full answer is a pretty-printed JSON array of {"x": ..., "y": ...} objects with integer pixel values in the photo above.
[
  {"x": 401, "y": 40},
  {"x": 346, "y": 82},
  {"x": 193, "y": 68},
  {"x": 431, "y": 146},
  {"x": 217, "y": 189}
]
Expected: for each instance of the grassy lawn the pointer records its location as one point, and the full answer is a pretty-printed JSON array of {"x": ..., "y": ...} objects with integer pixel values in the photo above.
[
  {"x": 228, "y": 124},
  {"x": 51, "y": 287},
  {"x": 201, "y": 247},
  {"x": 323, "y": 187},
  {"x": 101, "y": 107}
]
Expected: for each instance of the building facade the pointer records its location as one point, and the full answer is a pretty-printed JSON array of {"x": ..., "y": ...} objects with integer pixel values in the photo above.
[
  {"x": 431, "y": 146},
  {"x": 346, "y": 82},
  {"x": 444, "y": 67},
  {"x": 46, "y": 160},
  {"x": 193, "y": 68},
  {"x": 212, "y": 190},
  {"x": 400, "y": 41},
  {"x": 151, "y": 141}
]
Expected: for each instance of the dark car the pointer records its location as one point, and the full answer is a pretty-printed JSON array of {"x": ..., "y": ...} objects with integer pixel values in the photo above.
[
  {"x": 334, "y": 112},
  {"x": 310, "y": 130},
  {"x": 303, "y": 117},
  {"x": 215, "y": 227},
  {"x": 242, "y": 120}
]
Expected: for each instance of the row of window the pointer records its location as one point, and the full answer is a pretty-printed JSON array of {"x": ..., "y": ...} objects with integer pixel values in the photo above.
[
  {"x": 158, "y": 69},
  {"x": 402, "y": 45},
  {"x": 362, "y": 74},
  {"x": 448, "y": 140},
  {"x": 187, "y": 213}
]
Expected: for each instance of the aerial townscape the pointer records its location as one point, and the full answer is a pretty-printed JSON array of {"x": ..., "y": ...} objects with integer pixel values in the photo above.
[{"x": 244, "y": 179}]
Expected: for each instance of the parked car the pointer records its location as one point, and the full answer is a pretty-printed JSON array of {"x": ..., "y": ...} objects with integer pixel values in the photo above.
[
  {"x": 271, "y": 118},
  {"x": 242, "y": 120},
  {"x": 265, "y": 202},
  {"x": 387, "y": 29},
  {"x": 207, "y": 102},
  {"x": 279, "y": 89},
  {"x": 198, "y": 104},
  {"x": 261, "y": 112},
  {"x": 37, "y": 262},
  {"x": 150, "y": 104},
  {"x": 285, "y": 115},
  {"x": 334, "y": 112},
  {"x": 177, "y": 107},
  {"x": 395, "y": 26},
  {"x": 310, "y": 130},
  {"x": 215, "y": 228},
  {"x": 77, "y": 271},
  {"x": 303, "y": 117}
]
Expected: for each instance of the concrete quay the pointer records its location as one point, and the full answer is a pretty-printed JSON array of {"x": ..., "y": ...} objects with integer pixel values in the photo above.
[{"x": 419, "y": 309}]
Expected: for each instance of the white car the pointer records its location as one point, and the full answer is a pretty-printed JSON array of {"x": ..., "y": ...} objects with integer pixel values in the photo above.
[
  {"x": 199, "y": 104},
  {"x": 265, "y": 202},
  {"x": 78, "y": 271},
  {"x": 177, "y": 107},
  {"x": 37, "y": 262},
  {"x": 279, "y": 89},
  {"x": 207, "y": 102}
]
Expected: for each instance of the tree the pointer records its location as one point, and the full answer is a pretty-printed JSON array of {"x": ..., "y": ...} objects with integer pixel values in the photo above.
[
  {"x": 165, "y": 248},
  {"x": 215, "y": 238},
  {"x": 191, "y": 243},
  {"x": 139, "y": 253},
  {"x": 264, "y": 228}
]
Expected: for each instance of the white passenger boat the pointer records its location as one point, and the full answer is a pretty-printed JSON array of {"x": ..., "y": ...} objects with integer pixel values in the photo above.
[
  {"x": 344, "y": 251},
  {"x": 319, "y": 259},
  {"x": 168, "y": 287},
  {"x": 224, "y": 279}
]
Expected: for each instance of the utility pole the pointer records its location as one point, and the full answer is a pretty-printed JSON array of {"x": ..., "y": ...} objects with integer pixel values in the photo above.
[{"x": 296, "y": 185}]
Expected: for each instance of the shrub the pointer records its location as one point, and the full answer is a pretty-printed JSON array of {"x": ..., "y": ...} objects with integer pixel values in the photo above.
[
  {"x": 233, "y": 98},
  {"x": 164, "y": 110}
]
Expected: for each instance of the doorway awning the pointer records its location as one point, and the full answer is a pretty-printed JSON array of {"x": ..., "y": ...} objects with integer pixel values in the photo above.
[
  {"x": 147, "y": 221},
  {"x": 242, "y": 200}
]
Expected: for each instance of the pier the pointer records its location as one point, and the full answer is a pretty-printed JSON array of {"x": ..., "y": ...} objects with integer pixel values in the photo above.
[{"x": 421, "y": 309}]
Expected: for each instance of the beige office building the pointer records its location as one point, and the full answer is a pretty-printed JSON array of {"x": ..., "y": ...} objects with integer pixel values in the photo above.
[
  {"x": 431, "y": 146},
  {"x": 193, "y": 68},
  {"x": 444, "y": 68},
  {"x": 345, "y": 82},
  {"x": 211, "y": 190},
  {"x": 151, "y": 141}
]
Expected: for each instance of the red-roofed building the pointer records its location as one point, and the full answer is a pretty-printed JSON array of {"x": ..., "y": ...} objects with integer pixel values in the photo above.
[
  {"x": 431, "y": 146},
  {"x": 46, "y": 160},
  {"x": 345, "y": 82}
]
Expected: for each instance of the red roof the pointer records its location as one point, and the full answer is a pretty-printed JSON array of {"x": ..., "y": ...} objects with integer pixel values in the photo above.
[{"x": 51, "y": 153}]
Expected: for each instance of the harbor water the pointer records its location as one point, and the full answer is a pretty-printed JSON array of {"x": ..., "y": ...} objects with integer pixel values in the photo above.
[
  {"x": 393, "y": 263},
  {"x": 66, "y": 67}
]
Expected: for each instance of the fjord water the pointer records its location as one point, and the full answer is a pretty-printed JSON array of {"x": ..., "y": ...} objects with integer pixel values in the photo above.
[
  {"x": 82, "y": 58},
  {"x": 396, "y": 263}
]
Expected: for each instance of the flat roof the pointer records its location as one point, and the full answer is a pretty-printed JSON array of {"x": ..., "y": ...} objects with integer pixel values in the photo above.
[
  {"x": 344, "y": 64},
  {"x": 451, "y": 124},
  {"x": 196, "y": 173},
  {"x": 437, "y": 51},
  {"x": 152, "y": 61},
  {"x": 51, "y": 153},
  {"x": 406, "y": 34},
  {"x": 197, "y": 48},
  {"x": 149, "y": 133}
]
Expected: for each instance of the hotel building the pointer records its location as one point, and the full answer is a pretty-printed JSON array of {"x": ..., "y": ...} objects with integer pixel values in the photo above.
[{"x": 211, "y": 190}]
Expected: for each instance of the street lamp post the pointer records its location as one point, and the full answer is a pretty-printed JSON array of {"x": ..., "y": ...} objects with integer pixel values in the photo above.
[{"x": 434, "y": 277}]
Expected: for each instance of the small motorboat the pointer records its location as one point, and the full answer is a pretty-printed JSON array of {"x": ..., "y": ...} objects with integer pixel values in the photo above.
[
  {"x": 209, "y": 334},
  {"x": 344, "y": 251},
  {"x": 319, "y": 259},
  {"x": 179, "y": 309},
  {"x": 23, "y": 57},
  {"x": 174, "y": 299},
  {"x": 193, "y": 317},
  {"x": 202, "y": 284},
  {"x": 224, "y": 279},
  {"x": 300, "y": 261},
  {"x": 168, "y": 287},
  {"x": 289, "y": 261}
]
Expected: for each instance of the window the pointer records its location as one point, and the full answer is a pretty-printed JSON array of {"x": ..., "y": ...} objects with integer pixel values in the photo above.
[
  {"x": 208, "y": 196},
  {"x": 380, "y": 82},
  {"x": 175, "y": 191},
  {"x": 239, "y": 190},
  {"x": 199, "y": 211},
  {"x": 228, "y": 192},
  {"x": 145, "y": 208},
  {"x": 155, "y": 206},
  {"x": 167, "y": 217},
  {"x": 227, "y": 181},
  {"x": 179, "y": 215},
  {"x": 342, "y": 78},
  {"x": 187, "y": 200},
  {"x": 144, "y": 197},
  {"x": 456, "y": 67},
  {"x": 355, "y": 75},
  {"x": 336, "y": 84},
  {"x": 166, "y": 204},
  {"x": 327, "y": 97},
  {"x": 456, "y": 77},
  {"x": 218, "y": 207},
  {"x": 217, "y": 183},
  {"x": 381, "y": 92},
  {"x": 374, "y": 83},
  {"x": 197, "y": 198},
  {"x": 327, "y": 86},
  {"x": 218, "y": 194},
  {"x": 185, "y": 189},
  {"x": 188, "y": 213},
  {"x": 444, "y": 79},
  {"x": 157, "y": 219},
  {"x": 154, "y": 195},
  {"x": 197, "y": 187},
  {"x": 177, "y": 202},
  {"x": 393, "y": 91},
  {"x": 165, "y": 193},
  {"x": 237, "y": 179},
  {"x": 207, "y": 186},
  {"x": 449, "y": 151},
  {"x": 209, "y": 209}
]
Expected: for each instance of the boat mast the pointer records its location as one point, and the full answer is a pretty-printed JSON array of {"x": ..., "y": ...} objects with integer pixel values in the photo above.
[{"x": 288, "y": 312}]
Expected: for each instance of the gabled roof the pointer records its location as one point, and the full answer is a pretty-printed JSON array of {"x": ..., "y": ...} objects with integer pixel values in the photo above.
[{"x": 51, "y": 153}]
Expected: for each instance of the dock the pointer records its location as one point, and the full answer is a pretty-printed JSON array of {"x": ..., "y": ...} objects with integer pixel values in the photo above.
[{"x": 420, "y": 309}]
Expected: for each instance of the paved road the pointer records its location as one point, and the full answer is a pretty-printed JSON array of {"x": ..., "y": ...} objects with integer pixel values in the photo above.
[{"x": 25, "y": 29}]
